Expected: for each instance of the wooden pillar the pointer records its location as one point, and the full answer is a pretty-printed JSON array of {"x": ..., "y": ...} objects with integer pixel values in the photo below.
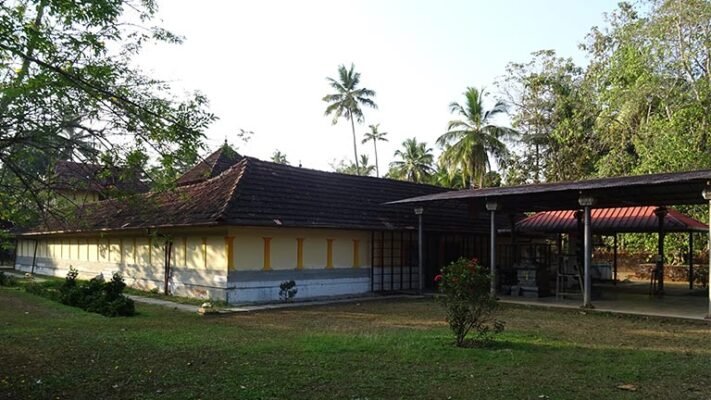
[
  {"x": 660, "y": 212},
  {"x": 614, "y": 259},
  {"x": 492, "y": 207},
  {"x": 691, "y": 260},
  {"x": 587, "y": 202}
]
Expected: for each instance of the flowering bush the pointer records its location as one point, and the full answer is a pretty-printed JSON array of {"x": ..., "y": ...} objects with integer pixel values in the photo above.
[{"x": 464, "y": 287}]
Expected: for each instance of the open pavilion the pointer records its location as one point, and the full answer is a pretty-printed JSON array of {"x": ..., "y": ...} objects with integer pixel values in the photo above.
[{"x": 658, "y": 190}]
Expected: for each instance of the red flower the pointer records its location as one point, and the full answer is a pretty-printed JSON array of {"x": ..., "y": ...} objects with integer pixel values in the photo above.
[
  {"x": 438, "y": 278},
  {"x": 475, "y": 261}
]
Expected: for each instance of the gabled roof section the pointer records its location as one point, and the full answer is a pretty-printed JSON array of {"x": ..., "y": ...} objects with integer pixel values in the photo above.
[
  {"x": 611, "y": 220},
  {"x": 260, "y": 193},
  {"x": 76, "y": 176},
  {"x": 212, "y": 166}
]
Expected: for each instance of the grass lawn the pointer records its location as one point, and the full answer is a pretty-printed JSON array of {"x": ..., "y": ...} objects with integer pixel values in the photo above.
[{"x": 376, "y": 349}]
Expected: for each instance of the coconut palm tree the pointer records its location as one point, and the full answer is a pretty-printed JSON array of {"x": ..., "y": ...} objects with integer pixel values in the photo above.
[
  {"x": 469, "y": 141},
  {"x": 376, "y": 136},
  {"x": 348, "y": 100},
  {"x": 415, "y": 163}
]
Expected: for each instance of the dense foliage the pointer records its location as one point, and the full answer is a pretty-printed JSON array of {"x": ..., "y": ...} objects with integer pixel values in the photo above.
[
  {"x": 464, "y": 287},
  {"x": 69, "y": 89},
  {"x": 641, "y": 105}
]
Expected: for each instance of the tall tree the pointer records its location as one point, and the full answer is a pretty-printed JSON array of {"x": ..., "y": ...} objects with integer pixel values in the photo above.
[
  {"x": 61, "y": 60},
  {"x": 415, "y": 162},
  {"x": 348, "y": 101},
  {"x": 553, "y": 115},
  {"x": 650, "y": 74},
  {"x": 375, "y": 136},
  {"x": 279, "y": 158},
  {"x": 469, "y": 141}
]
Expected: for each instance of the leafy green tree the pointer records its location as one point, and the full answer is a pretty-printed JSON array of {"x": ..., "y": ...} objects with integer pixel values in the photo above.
[
  {"x": 442, "y": 177},
  {"x": 415, "y": 162},
  {"x": 364, "y": 168},
  {"x": 551, "y": 109},
  {"x": 469, "y": 141},
  {"x": 279, "y": 158},
  {"x": 375, "y": 136},
  {"x": 61, "y": 60},
  {"x": 650, "y": 77},
  {"x": 348, "y": 101}
]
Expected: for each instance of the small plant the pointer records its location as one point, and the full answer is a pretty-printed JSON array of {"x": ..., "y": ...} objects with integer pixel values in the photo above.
[
  {"x": 7, "y": 280},
  {"x": 464, "y": 288},
  {"x": 287, "y": 291}
]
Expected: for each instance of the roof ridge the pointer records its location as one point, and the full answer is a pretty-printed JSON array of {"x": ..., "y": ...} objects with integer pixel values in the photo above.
[
  {"x": 350, "y": 176},
  {"x": 243, "y": 164}
]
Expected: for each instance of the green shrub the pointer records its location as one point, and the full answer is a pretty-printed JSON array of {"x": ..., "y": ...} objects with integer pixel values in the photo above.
[
  {"x": 287, "y": 290},
  {"x": 96, "y": 295},
  {"x": 7, "y": 280},
  {"x": 464, "y": 286}
]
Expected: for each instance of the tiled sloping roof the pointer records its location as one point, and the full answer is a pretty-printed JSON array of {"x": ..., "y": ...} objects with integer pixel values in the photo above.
[
  {"x": 610, "y": 220},
  {"x": 191, "y": 205},
  {"x": 260, "y": 193},
  {"x": 275, "y": 194},
  {"x": 212, "y": 166},
  {"x": 70, "y": 175}
]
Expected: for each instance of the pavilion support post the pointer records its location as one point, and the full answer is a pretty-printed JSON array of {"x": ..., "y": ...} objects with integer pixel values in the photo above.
[
  {"x": 661, "y": 213},
  {"x": 691, "y": 260},
  {"x": 492, "y": 207},
  {"x": 707, "y": 195},
  {"x": 420, "y": 250},
  {"x": 587, "y": 202},
  {"x": 614, "y": 260}
]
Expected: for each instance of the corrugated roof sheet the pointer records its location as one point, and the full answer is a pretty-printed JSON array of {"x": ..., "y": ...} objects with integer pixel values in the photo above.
[{"x": 611, "y": 220}]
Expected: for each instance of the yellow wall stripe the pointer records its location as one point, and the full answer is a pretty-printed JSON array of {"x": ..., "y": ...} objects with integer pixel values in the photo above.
[
  {"x": 356, "y": 253},
  {"x": 230, "y": 252},
  {"x": 299, "y": 253},
  {"x": 267, "y": 254},
  {"x": 329, "y": 253},
  {"x": 204, "y": 252},
  {"x": 185, "y": 251}
]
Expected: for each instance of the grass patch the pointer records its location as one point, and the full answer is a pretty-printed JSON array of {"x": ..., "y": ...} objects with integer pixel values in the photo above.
[{"x": 375, "y": 349}]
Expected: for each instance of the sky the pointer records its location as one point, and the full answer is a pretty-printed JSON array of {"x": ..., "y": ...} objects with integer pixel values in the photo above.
[{"x": 263, "y": 64}]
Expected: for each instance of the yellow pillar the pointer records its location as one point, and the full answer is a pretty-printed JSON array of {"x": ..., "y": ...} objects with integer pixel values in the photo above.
[
  {"x": 267, "y": 254},
  {"x": 185, "y": 251},
  {"x": 329, "y": 253},
  {"x": 230, "y": 252},
  {"x": 204, "y": 252},
  {"x": 299, "y": 253}
]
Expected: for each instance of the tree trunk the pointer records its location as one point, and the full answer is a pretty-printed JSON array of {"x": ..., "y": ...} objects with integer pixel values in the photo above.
[
  {"x": 34, "y": 259},
  {"x": 167, "y": 252},
  {"x": 355, "y": 148},
  {"x": 377, "y": 169}
]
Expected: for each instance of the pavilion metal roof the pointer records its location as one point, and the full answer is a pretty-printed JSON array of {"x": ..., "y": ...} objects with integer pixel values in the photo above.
[
  {"x": 675, "y": 188},
  {"x": 611, "y": 220}
]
